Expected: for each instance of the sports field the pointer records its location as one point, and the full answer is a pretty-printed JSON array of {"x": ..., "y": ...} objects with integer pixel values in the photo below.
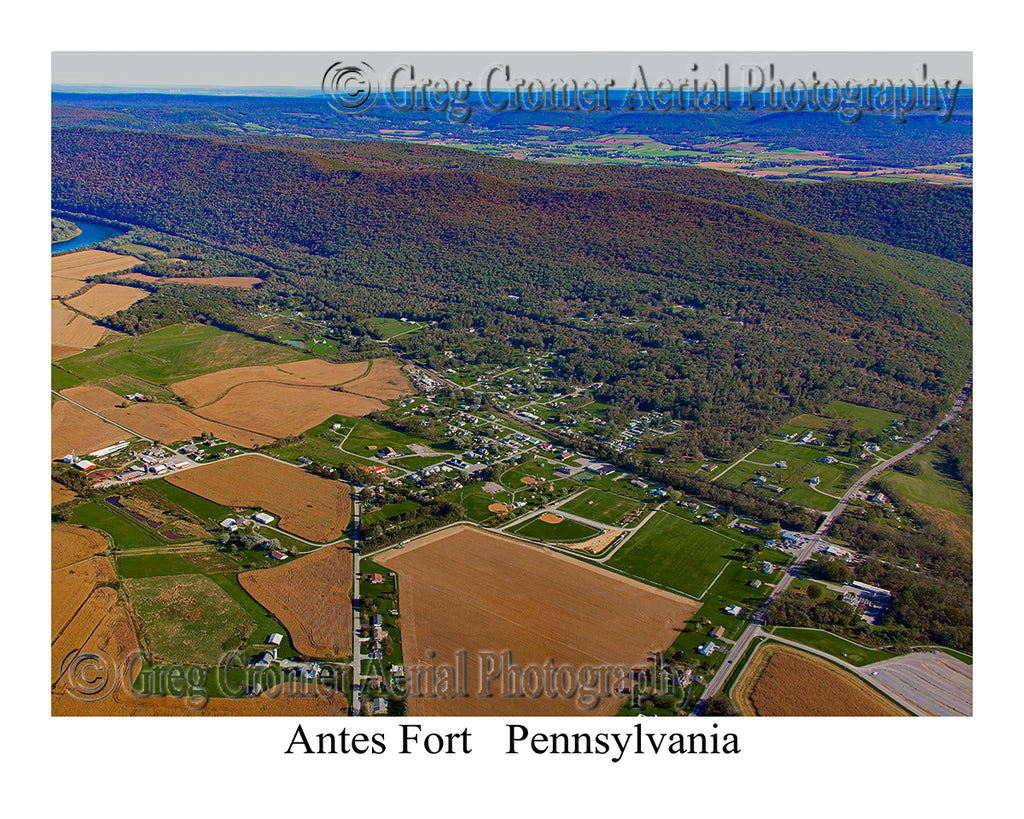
[
  {"x": 555, "y": 529},
  {"x": 676, "y": 554},
  {"x": 601, "y": 507}
]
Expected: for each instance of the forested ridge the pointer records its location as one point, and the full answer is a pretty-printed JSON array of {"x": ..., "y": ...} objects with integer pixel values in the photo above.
[{"x": 736, "y": 316}]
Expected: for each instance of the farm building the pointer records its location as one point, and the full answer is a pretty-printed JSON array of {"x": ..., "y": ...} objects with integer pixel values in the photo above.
[
  {"x": 84, "y": 465},
  {"x": 263, "y": 517},
  {"x": 275, "y": 639},
  {"x": 706, "y": 649},
  {"x": 229, "y": 524},
  {"x": 755, "y": 584},
  {"x": 735, "y": 611},
  {"x": 375, "y": 578},
  {"x": 717, "y": 631}
]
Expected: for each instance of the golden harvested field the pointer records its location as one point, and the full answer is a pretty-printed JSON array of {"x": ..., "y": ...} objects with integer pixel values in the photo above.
[
  {"x": 385, "y": 381},
  {"x": 72, "y": 544},
  {"x": 234, "y": 282},
  {"x": 103, "y": 300},
  {"x": 313, "y": 508},
  {"x": 60, "y": 494},
  {"x": 63, "y": 287},
  {"x": 161, "y": 422},
  {"x": 198, "y": 392},
  {"x": 68, "y": 329},
  {"x": 85, "y": 263},
  {"x": 70, "y": 586},
  {"x": 781, "y": 681},
  {"x": 167, "y": 423},
  {"x": 77, "y": 632},
  {"x": 278, "y": 702},
  {"x": 468, "y": 589},
  {"x": 72, "y": 428},
  {"x": 280, "y": 410},
  {"x": 310, "y": 596}
]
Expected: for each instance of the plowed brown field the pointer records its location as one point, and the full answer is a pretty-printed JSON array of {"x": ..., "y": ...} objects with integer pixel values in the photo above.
[
  {"x": 168, "y": 423},
  {"x": 465, "y": 589},
  {"x": 60, "y": 494},
  {"x": 280, "y": 410},
  {"x": 385, "y": 381},
  {"x": 102, "y": 300},
  {"x": 781, "y": 681},
  {"x": 310, "y": 596},
  {"x": 72, "y": 428},
  {"x": 234, "y": 282},
  {"x": 205, "y": 389},
  {"x": 314, "y": 508}
]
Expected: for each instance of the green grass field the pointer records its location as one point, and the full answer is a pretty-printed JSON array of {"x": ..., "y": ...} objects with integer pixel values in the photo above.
[
  {"x": 853, "y": 653},
  {"x": 935, "y": 486},
  {"x": 202, "y": 508},
  {"x": 126, "y": 534},
  {"x": 863, "y": 417},
  {"x": 61, "y": 380},
  {"x": 568, "y": 531},
  {"x": 160, "y": 565},
  {"x": 601, "y": 507},
  {"x": 678, "y": 555},
  {"x": 188, "y": 618},
  {"x": 175, "y": 353},
  {"x": 387, "y": 328}
]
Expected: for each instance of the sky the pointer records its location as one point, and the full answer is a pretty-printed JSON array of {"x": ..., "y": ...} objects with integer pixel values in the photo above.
[{"x": 289, "y": 69}]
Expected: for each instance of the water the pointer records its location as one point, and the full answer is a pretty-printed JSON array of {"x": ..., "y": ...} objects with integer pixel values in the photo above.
[{"x": 92, "y": 232}]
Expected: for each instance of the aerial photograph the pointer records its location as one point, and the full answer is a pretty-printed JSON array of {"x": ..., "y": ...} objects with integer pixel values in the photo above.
[{"x": 512, "y": 385}]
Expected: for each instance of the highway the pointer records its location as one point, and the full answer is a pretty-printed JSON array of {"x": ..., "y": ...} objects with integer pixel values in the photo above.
[
  {"x": 356, "y": 656},
  {"x": 811, "y": 546}
]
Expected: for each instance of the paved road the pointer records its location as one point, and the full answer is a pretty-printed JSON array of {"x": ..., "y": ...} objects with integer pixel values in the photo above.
[{"x": 812, "y": 545}]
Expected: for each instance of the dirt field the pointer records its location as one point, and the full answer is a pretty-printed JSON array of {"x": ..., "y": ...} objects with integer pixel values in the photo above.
[
  {"x": 102, "y": 300},
  {"x": 280, "y": 410},
  {"x": 310, "y": 596},
  {"x": 385, "y": 381},
  {"x": 60, "y": 494},
  {"x": 64, "y": 287},
  {"x": 87, "y": 263},
  {"x": 72, "y": 428},
  {"x": 313, "y": 508},
  {"x": 780, "y": 681},
  {"x": 551, "y": 517},
  {"x": 198, "y": 392},
  {"x": 92, "y": 397},
  {"x": 467, "y": 589},
  {"x": 529, "y": 480},
  {"x": 56, "y": 351},
  {"x": 500, "y": 508},
  {"x": 72, "y": 544},
  {"x": 930, "y": 683},
  {"x": 596, "y": 544}
]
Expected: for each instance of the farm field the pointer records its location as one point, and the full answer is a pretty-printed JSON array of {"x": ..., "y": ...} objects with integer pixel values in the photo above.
[
  {"x": 68, "y": 329},
  {"x": 281, "y": 410},
  {"x": 74, "y": 429},
  {"x": 466, "y": 589},
  {"x": 84, "y": 263},
  {"x": 601, "y": 507},
  {"x": 72, "y": 544},
  {"x": 934, "y": 487},
  {"x": 60, "y": 494},
  {"x": 234, "y": 282},
  {"x": 176, "y": 353},
  {"x": 311, "y": 596},
  {"x": 205, "y": 389},
  {"x": 309, "y": 507},
  {"x": 385, "y": 380},
  {"x": 672, "y": 552},
  {"x": 103, "y": 300},
  {"x": 780, "y": 681},
  {"x": 187, "y": 618}
]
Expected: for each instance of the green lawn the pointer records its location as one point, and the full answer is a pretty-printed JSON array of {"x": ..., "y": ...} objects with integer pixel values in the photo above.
[
  {"x": 387, "y": 328},
  {"x": 853, "y": 653},
  {"x": 159, "y": 565},
  {"x": 678, "y": 555},
  {"x": 601, "y": 507},
  {"x": 126, "y": 534},
  {"x": 568, "y": 531},
  {"x": 863, "y": 417}
]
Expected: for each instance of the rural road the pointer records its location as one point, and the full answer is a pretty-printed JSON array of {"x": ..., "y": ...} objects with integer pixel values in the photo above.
[
  {"x": 356, "y": 657},
  {"x": 741, "y": 645}
]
